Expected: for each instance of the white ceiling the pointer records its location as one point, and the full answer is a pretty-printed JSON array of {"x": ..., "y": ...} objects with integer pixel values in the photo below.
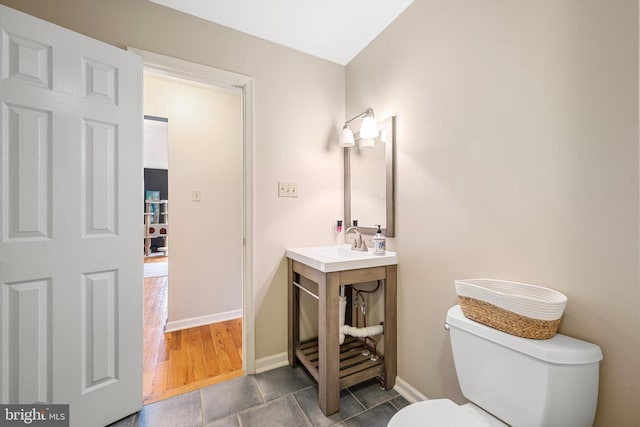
[{"x": 336, "y": 30}]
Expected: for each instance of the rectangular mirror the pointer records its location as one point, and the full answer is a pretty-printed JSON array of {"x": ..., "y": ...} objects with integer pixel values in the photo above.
[{"x": 369, "y": 182}]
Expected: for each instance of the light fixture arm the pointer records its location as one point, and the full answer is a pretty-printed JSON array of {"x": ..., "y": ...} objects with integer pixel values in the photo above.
[{"x": 368, "y": 111}]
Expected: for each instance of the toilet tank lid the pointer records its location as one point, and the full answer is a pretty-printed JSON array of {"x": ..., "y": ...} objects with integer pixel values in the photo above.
[{"x": 560, "y": 349}]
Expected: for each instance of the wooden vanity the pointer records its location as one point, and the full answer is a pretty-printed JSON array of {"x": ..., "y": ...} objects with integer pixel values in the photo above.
[{"x": 336, "y": 366}]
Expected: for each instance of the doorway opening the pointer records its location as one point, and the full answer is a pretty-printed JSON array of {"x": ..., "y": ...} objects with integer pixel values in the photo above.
[
  {"x": 155, "y": 162},
  {"x": 231, "y": 330},
  {"x": 185, "y": 360}
]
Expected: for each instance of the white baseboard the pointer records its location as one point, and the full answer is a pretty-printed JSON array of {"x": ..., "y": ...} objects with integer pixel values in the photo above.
[
  {"x": 193, "y": 322},
  {"x": 271, "y": 362},
  {"x": 405, "y": 390}
]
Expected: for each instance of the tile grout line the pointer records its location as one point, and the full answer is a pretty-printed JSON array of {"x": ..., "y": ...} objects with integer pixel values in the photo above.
[
  {"x": 259, "y": 389},
  {"x": 389, "y": 401},
  {"x": 357, "y": 400},
  {"x": 300, "y": 407},
  {"x": 364, "y": 408}
]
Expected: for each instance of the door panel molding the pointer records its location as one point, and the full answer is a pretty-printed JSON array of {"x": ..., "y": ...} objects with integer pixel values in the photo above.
[
  {"x": 99, "y": 178},
  {"x": 26, "y": 334}
]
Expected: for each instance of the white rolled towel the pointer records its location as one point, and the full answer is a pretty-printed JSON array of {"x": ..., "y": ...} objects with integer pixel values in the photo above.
[
  {"x": 353, "y": 331},
  {"x": 361, "y": 332}
]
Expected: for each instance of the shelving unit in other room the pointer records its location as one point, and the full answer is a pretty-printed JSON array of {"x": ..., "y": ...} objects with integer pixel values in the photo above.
[{"x": 156, "y": 224}]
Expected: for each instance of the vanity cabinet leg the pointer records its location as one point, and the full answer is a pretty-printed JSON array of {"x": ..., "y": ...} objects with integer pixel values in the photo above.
[
  {"x": 390, "y": 327},
  {"x": 293, "y": 336},
  {"x": 328, "y": 345}
]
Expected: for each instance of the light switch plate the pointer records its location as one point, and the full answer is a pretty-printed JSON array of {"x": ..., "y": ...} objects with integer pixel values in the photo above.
[
  {"x": 287, "y": 189},
  {"x": 196, "y": 195}
]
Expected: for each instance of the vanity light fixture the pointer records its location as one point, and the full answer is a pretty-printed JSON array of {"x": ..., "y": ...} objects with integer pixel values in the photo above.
[
  {"x": 368, "y": 130},
  {"x": 346, "y": 137},
  {"x": 369, "y": 127},
  {"x": 365, "y": 143}
]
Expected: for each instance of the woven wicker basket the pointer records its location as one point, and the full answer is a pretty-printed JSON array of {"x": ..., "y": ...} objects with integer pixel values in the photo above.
[{"x": 527, "y": 311}]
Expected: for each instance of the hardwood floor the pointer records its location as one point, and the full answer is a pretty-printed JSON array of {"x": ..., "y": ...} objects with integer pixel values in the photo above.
[{"x": 182, "y": 361}]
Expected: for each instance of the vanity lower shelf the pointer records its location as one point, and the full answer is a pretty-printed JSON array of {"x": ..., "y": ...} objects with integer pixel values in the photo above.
[{"x": 354, "y": 367}]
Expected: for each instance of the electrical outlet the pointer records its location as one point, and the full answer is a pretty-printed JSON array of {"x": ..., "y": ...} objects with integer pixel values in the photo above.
[{"x": 287, "y": 189}]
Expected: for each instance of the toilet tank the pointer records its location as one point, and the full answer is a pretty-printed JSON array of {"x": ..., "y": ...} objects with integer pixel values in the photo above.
[{"x": 525, "y": 382}]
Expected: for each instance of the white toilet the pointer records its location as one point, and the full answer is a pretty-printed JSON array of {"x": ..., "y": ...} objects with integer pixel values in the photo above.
[{"x": 518, "y": 381}]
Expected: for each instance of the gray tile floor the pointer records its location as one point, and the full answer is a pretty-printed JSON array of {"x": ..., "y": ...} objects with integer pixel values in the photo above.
[{"x": 282, "y": 397}]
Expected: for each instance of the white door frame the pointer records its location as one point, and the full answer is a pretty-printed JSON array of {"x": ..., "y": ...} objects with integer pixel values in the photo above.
[{"x": 179, "y": 68}]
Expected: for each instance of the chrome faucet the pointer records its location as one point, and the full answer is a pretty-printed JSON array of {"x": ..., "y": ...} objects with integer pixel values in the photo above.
[{"x": 358, "y": 244}]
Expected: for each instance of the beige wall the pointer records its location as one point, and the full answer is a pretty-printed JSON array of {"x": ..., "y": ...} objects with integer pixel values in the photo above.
[
  {"x": 205, "y": 153},
  {"x": 299, "y": 104},
  {"x": 517, "y": 158}
]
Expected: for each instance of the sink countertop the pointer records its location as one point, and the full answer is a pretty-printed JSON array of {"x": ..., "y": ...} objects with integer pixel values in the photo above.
[{"x": 334, "y": 258}]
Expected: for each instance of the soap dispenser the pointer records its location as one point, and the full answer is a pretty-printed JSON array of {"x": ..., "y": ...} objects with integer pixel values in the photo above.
[{"x": 379, "y": 242}]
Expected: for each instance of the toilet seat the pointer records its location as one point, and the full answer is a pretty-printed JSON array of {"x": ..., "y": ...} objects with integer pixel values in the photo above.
[{"x": 437, "y": 412}]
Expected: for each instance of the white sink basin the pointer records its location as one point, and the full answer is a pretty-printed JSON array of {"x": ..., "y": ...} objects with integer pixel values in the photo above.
[{"x": 339, "y": 257}]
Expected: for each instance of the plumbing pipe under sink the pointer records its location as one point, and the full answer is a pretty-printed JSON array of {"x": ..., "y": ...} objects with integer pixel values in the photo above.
[{"x": 353, "y": 331}]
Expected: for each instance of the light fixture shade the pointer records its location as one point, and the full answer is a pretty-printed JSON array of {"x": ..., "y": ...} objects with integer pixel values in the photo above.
[
  {"x": 366, "y": 143},
  {"x": 346, "y": 137},
  {"x": 383, "y": 135},
  {"x": 369, "y": 128}
]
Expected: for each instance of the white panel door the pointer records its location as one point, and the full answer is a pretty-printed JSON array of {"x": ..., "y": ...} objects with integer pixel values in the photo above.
[{"x": 70, "y": 221}]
